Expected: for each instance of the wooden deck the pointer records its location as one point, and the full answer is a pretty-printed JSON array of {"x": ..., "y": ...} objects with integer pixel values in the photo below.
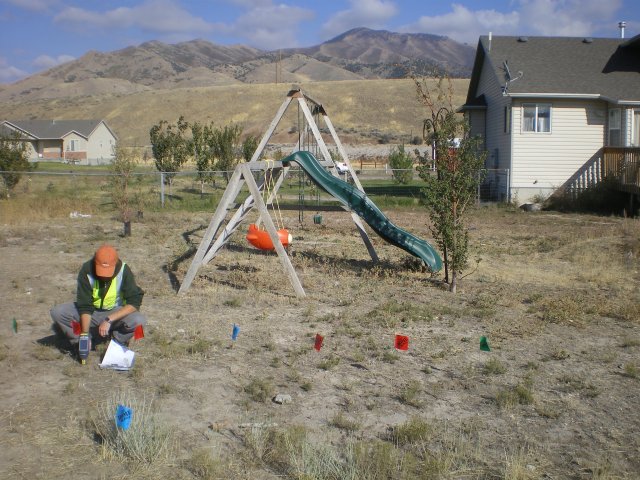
[{"x": 624, "y": 164}]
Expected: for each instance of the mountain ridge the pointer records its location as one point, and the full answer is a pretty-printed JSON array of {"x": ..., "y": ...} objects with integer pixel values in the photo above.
[{"x": 357, "y": 54}]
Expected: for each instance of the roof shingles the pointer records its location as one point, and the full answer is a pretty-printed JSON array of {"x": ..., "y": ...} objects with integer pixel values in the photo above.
[
  {"x": 55, "y": 129},
  {"x": 568, "y": 65}
]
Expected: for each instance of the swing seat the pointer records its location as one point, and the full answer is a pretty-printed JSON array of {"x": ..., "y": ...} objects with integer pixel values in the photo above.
[{"x": 261, "y": 239}]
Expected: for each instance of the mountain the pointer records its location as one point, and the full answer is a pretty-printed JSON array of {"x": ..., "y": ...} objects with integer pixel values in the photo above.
[
  {"x": 358, "y": 54},
  {"x": 375, "y": 51}
]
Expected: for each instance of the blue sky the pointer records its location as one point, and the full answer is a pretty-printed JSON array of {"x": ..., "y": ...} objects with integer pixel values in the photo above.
[{"x": 38, "y": 34}]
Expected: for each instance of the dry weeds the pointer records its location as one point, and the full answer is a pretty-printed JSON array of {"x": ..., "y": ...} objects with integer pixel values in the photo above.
[{"x": 556, "y": 295}]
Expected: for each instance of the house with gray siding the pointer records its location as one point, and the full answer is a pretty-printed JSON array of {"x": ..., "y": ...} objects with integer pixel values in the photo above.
[
  {"x": 550, "y": 110},
  {"x": 86, "y": 142}
]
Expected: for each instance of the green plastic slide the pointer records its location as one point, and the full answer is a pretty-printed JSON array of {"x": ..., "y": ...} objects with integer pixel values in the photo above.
[{"x": 358, "y": 201}]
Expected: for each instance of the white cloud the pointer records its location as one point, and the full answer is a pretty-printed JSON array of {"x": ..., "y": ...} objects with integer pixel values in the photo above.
[
  {"x": 269, "y": 26},
  {"x": 567, "y": 17},
  {"x": 9, "y": 73},
  {"x": 465, "y": 25},
  {"x": 252, "y": 3},
  {"x": 530, "y": 17},
  {"x": 159, "y": 16},
  {"x": 363, "y": 13},
  {"x": 33, "y": 5},
  {"x": 44, "y": 62}
]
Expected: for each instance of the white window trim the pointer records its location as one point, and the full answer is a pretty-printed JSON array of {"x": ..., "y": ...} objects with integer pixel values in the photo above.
[
  {"x": 635, "y": 127},
  {"x": 73, "y": 145},
  {"x": 537, "y": 105},
  {"x": 619, "y": 129}
]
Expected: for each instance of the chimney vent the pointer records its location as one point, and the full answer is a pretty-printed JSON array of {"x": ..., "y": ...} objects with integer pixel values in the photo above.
[{"x": 622, "y": 26}]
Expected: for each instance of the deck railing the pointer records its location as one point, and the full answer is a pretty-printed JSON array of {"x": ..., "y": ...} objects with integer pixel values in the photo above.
[{"x": 624, "y": 164}]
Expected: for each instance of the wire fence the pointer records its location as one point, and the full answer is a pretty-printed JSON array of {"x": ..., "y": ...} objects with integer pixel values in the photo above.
[{"x": 192, "y": 189}]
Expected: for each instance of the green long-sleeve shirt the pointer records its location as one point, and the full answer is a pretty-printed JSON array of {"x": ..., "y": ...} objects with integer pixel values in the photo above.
[{"x": 131, "y": 292}]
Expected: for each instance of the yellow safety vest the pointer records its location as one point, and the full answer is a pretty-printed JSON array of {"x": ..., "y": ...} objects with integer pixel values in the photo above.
[{"x": 113, "y": 298}]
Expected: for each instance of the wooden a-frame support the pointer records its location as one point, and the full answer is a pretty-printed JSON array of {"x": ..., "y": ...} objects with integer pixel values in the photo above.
[{"x": 209, "y": 248}]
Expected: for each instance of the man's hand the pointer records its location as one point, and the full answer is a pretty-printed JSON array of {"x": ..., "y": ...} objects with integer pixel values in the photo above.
[{"x": 104, "y": 328}]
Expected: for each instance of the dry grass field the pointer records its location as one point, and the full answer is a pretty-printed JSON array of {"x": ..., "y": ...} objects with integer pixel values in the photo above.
[
  {"x": 558, "y": 395},
  {"x": 361, "y": 111}
]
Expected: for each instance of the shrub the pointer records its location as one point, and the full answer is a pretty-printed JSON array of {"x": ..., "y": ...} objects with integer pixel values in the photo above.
[
  {"x": 605, "y": 198},
  {"x": 410, "y": 393},
  {"x": 412, "y": 431},
  {"x": 147, "y": 440},
  {"x": 494, "y": 367},
  {"x": 401, "y": 164},
  {"x": 259, "y": 389}
]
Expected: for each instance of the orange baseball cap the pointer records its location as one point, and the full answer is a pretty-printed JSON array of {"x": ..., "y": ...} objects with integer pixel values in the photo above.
[{"x": 105, "y": 261}]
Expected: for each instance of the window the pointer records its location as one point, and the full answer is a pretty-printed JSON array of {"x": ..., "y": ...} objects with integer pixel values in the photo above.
[
  {"x": 73, "y": 145},
  {"x": 536, "y": 117},
  {"x": 635, "y": 135},
  {"x": 507, "y": 119},
  {"x": 614, "y": 128}
]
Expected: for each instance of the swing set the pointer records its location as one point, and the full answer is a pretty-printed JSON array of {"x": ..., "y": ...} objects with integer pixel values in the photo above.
[{"x": 264, "y": 233}]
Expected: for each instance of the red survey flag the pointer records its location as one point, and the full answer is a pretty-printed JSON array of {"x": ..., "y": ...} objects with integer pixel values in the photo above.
[
  {"x": 402, "y": 342},
  {"x": 77, "y": 329},
  {"x": 318, "y": 343},
  {"x": 138, "y": 333}
]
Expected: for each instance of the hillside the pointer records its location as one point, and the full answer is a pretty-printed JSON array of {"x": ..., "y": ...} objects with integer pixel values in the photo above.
[
  {"x": 363, "y": 111},
  {"x": 355, "y": 55},
  {"x": 379, "y": 53}
]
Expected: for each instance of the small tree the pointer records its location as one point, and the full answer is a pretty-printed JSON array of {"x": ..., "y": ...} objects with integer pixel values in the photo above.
[
  {"x": 226, "y": 148},
  {"x": 14, "y": 159},
  {"x": 201, "y": 148},
  {"x": 401, "y": 165},
  {"x": 122, "y": 168},
  {"x": 170, "y": 147},
  {"x": 458, "y": 172},
  {"x": 249, "y": 146}
]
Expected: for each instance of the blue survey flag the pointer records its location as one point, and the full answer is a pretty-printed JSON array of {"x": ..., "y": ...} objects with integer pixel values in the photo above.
[
  {"x": 235, "y": 332},
  {"x": 123, "y": 417}
]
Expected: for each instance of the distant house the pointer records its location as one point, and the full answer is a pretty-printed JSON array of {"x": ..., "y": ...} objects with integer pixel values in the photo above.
[
  {"x": 87, "y": 142},
  {"x": 554, "y": 112}
]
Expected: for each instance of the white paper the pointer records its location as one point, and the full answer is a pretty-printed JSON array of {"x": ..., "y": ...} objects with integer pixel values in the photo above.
[{"x": 118, "y": 357}]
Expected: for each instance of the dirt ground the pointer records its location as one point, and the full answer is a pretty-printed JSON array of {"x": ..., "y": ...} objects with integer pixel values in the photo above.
[{"x": 556, "y": 295}]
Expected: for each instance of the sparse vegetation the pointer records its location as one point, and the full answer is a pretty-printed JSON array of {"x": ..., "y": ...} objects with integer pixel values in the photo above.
[
  {"x": 521, "y": 394},
  {"x": 410, "y": 394},
  {"x": 341, "y": 421},
  {"x": 259, "y": 389},
  {"x": 494, "y": 367},
  {"x": 358, "y": 411},
  {"x": 146, "y": 442},
  {"x": 631, "y": 371}
]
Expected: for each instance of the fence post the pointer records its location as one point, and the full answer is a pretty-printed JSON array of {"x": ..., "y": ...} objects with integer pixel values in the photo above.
[{"x": 162, "y": 189}]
